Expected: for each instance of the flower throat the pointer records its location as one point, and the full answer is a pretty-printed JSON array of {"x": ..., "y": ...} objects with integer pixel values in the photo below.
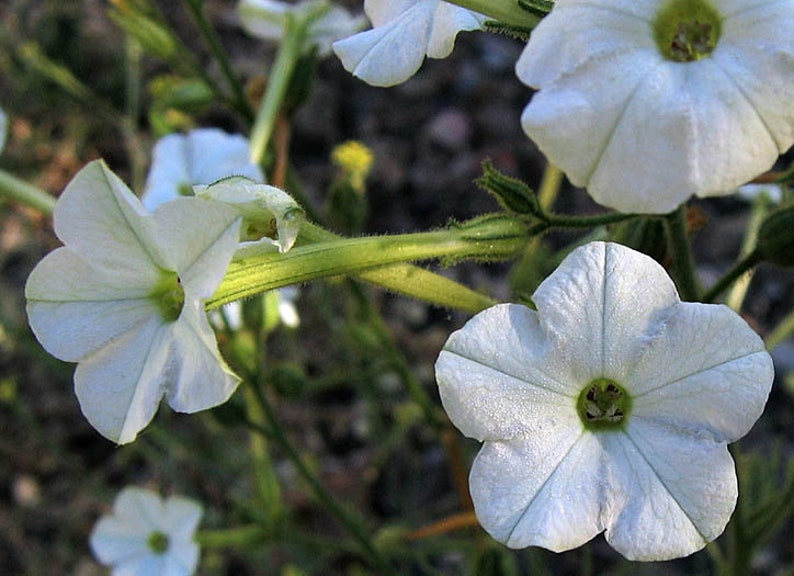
[{"x": 687, "y": 30}]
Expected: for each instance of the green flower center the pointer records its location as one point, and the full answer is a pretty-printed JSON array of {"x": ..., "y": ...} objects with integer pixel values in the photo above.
[
  {"x": 687, "y": 30},
  {"x": 169, "y": 296},
  {"x": 603, "y": 405},
  {"x": 158, "y": 542}
]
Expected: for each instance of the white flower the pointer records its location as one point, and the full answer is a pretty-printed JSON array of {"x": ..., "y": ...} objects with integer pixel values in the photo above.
[
  {"x": 148, "y": 536},
  {"x": 202, "y": 156},
  {"x": 124, "y": 299},
  {"x": 648, "y": 102},
  {"x": 266, "y": 19},
  {"x": 608, "y": 409},
  {"x": 405, "y": 31}
]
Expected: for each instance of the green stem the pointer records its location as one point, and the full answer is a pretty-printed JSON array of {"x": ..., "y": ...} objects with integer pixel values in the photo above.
[
  {"x": 355, "y": 528},
  {"x": 505, "y": 11},
  {"x": 26, "y": 193},
  {"x": 413, "y": 281},
  {"x": 132, "y": 108},
  {"x": 289, "y": 52},
  {"x": 740, "y": 268},
  {"x": 211, "y": 37},
  {"x": 549, "y": 186},
  {"x": 240, "y": 536},
  {"x": 781, "y": 332},
  {"x": 760, "y": 208},
  {"x": 265, "y": 478},
  {"x": 683, "y": 265},
  {"x": 565, "y": 221},
  {"x": 487, "y": 238}
]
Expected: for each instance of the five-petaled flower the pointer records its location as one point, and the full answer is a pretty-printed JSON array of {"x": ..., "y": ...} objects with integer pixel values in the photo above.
[
  {"x": 124, "y": 298},
  {"x": 148, "y": 536},
  {"x": 608, "y": 409},
  {"x": 647, "y": 103},
  {"x": 403, "y": 33}
]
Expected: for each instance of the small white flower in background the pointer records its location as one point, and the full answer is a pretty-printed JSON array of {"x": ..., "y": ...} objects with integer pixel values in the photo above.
[
  {"x": 403, "y": 33},
  {"x": 3, "y": 129},
  {"x": 202, "y": 156},
  {"x": 772, "y": 192},
  {"x": 271, "y": 217},
  {"x": 124, "y": 299},
  {"x": 266, "y": 19},
  {"x": 148, "y": 536},
  {"x": 608, "y": 409},
  {"x": 647, "y": 103}
]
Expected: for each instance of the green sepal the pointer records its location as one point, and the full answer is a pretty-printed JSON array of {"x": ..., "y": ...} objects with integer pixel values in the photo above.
[
  {"x": 511, "y": 193},
  {"x": 776, "y": 237}
]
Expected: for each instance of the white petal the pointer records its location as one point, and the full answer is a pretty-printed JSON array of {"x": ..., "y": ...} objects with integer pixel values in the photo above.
[
  {"x": 499, "y": 377},
  {"x": 707, "y": 140},
  {"x": 390, "y": 53},
  {"x": 200, "y": 378},
  {"x": 590, "y": 35},
  {"x": 382, "y": 12},
  {"x": 669, "y": 495},
  {"x": 182, "y": 517},
  {"x": 136, "y": 513},
  {"x": 448, "y": 20},
  {"x": 75, "y": 309},
  {"x": 543, "y": 491},
  {"x": 202, "y": 156},
  {"x": 119, "y": 387},
  {"x": 757, "y": 53},
  {"x": 263, "y": 18},
  {"x": 99, "y": 218},
  {"x": 707, "y": 373},
  {"x": 574, "y": 119},
  {"x": 113, "y": 541},
  {"x": 200, "y": 237},
  {"x": 600, "y": 305}
]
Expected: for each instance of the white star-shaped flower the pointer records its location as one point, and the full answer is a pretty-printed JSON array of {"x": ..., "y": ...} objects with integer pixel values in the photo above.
[
  {"x": 608, "y": 409},
  {"x": 266, "y": 19},
  {"x": 646, "y": 103},
  {"x": 124, "y": 299},
  {"x": 148, "y": 536},
  {"x": 403, "y": 33},
  {"x": 202, "y": 156}
]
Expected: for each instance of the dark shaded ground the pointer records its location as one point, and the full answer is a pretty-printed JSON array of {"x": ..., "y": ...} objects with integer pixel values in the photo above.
[{"x": 429, "y": 136}]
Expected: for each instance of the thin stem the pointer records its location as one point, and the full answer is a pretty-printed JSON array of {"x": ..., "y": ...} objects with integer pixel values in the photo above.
[
  {"x": 760, "y": 208},
  {"x": 739, "y": 268},
  {"x": 295, "y": 31},
  {"x": 132, "y": 107},
  {"x": 781, "y": 332},
  {"x": 565, "y": 221},
  {"x": 351, "y": 524},
  {"x": 239, "y": 536},
  {"x": 549, "y": 186},
  {"x": 505, "y": 11},
  {"x": 490, "y": 237},
  {"x": 456, "y": 522},
  {"x": 211, "y": 37},
  {"x": 683, "y": 265},
  {"x": 26, "y": 193}
]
